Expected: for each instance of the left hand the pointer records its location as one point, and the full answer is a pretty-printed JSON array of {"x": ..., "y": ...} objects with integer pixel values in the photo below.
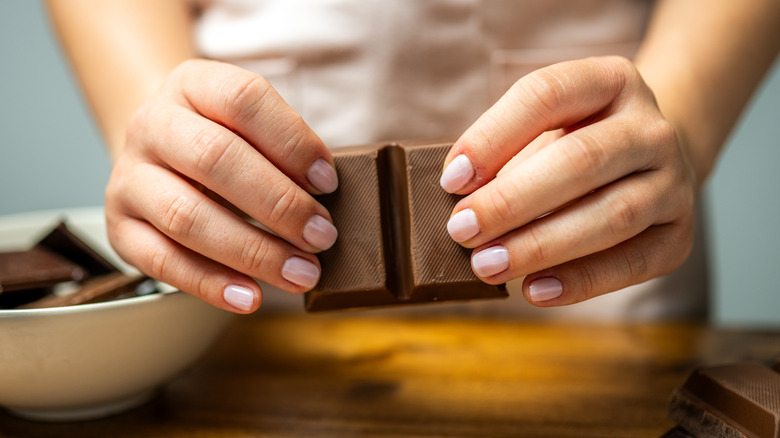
[{"x": 576, "y": 181}]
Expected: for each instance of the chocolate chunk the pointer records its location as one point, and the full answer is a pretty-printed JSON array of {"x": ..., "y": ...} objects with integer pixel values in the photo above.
[
  {"x": 35, "y": 268},
  {"x": 104, "y": 288},
  {"x": 741, "y": 400},
  {"x": 63, "y": 242},
  {"x": 393, "y": 247}
]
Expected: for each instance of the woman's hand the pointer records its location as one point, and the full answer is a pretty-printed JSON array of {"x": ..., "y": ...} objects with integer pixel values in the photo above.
[
  {"x": 214, "y": 128},
  {"x": 576, "y": 181}
]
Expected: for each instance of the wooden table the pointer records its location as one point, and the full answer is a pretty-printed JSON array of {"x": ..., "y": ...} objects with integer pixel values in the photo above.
[{"x": 359, "y": 374}]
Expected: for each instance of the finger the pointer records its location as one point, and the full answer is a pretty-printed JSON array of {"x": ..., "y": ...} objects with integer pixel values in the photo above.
[
  {"x": 144, "y": 247},
  {"x": 558, "y": 96},
  {"x": 246, "y": 103},
  {"x": 597, "y": 222},
  {"x": 241, "y": 175},
  {"x": 539, "y": 143},
  {"x": 567, "y": 169},
  {"x": 195, "y": 221},
  {"x": 655, "y": 252}
]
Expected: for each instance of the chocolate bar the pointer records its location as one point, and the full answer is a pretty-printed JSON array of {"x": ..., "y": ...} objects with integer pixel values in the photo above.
[
  {"x": 393, "y": 247},
  {"x": 740, "y": 400}
]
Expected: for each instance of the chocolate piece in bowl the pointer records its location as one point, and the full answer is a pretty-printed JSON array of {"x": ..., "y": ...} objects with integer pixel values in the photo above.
[
  {"x": 63, "y": 270},
  {"x": 27, "y": 275},
  {"x": 35, "y": 268},
  {"x": 393, "y": 247},
  {"x": 63, "y": 242},
  {"x": 108, "y": 287}
]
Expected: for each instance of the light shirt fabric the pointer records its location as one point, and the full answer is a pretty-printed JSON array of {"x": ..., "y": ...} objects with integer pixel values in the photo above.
[{"x": 362, "y": 71}]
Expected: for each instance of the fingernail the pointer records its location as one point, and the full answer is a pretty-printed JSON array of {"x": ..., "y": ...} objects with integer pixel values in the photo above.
[
  {"x": 319, "y": 232},
  {"x": 323, "y": 176},
  {"x": 239, "y": 297},
  {"x": 301, "y": 272},
  {"x": 543, "y": 289},
  {"x": 457, "y": 174},
  {"x": 490, "y": 261},
  {"x": 463, "y": 225}
]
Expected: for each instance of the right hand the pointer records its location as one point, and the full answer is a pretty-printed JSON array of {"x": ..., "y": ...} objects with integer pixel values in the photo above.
[{"x": 215, "y": 128}]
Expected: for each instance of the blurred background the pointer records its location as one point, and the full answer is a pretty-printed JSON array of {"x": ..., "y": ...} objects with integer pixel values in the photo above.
[{"x": 51, "y": 157}]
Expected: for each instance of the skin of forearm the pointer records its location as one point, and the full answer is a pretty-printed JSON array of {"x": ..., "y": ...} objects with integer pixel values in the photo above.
[
  {"x": 121, "y": 51},
  {"x": 703, "y": 59}
]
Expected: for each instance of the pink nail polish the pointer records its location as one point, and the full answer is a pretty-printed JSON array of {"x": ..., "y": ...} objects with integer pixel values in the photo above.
[
  {"x": 490, "y": 261},
  {"x": 319, "y": 232},
  {"x": 240, "y": 297},
  {"x": 457, "y": 174},
  {"x": 323, "y": 176},
  {"x": 543, "y": 289},
  {"x": 301, "y": 272},
  {"x": 463, "y": 225}
]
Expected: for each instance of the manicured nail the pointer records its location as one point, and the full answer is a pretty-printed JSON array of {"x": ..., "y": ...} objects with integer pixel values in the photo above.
[
  {"x": 301, "y": 272},
  {"x": 320, "y": 233},
  {"x": 543, "y": 289},
  {"x": 457, "y": 174},
  {"x": 323, "y": 176},
  {"x": 239, "y": 297},
  {"x": 490, "y": 261},
  {"x": 463, "y": 225}
]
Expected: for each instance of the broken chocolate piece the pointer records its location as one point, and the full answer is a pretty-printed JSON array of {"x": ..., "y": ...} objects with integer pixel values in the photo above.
[
  {"x": 741, "y": 400},
  {"x": 393, "y": 247},
  {"x": 63, "y": 242},
  {"x": 35, "y": 268},
  {"x": 108, "y": 287}
]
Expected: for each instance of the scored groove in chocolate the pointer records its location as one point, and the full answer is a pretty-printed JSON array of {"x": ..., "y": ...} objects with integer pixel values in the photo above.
[{"x": 393, "y": 247}]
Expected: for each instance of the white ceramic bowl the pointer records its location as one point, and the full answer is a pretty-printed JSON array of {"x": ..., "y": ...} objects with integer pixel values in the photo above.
[{"x": 92, "y": 360}]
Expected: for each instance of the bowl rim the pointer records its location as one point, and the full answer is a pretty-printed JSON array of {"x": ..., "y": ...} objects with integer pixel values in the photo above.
[{"x": 91, "y": 307}]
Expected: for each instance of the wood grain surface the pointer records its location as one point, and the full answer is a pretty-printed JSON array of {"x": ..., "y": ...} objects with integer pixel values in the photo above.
[{"x": 359, "y": 374}]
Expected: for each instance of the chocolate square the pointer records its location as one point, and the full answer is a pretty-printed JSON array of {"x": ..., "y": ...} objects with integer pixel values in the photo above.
[{"x": 393, "y": 246}]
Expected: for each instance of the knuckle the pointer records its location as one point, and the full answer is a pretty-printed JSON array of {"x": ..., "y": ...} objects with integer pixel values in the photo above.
[
  {"x": 213, "y": 148},
  {"x": 246, "y": 97},
  {"x": 293, "y": 135},
  {"x": 535, "y": 251},
  {"x": 623, "y": 217},
  {"x": 587, "y": 280},
  {"x": 623, "y": 65},
  {"x": 662, "y": 134},
  {"x": 584, "y": 154},
  {"x": 255, "y": 253},
  {"x": 202, "y": 287},
  {"x": 548, "y": 87},
  {"x": 636, "y": 263},
  {"x": 287, "y": 205},
  {"x": 159, "y": 260},
  {"x": 180, "y": 216},
  {"x": 500, "y": 207}
]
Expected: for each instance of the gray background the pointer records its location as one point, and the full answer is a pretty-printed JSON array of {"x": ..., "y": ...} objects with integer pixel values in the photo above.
[{"x": 51, "y": 157}]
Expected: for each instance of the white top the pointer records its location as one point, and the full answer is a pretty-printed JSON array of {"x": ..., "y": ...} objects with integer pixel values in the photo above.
[{"x": 361, "y": 71}]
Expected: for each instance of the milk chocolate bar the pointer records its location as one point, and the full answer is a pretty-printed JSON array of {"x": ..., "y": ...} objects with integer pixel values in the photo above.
[
  {"x": 393, "y": 247},
  {"x": 740, "y": 400}
]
